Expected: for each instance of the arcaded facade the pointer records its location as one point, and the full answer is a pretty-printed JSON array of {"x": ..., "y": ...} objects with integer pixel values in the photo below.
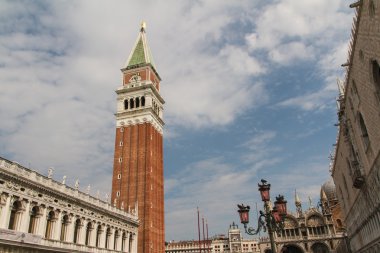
[
  {"x": 234, "y": 242},
  {"x": 356, "y": 165},
  {"x": 317, "y": 229},
  {"x": 39, "y": 214}
]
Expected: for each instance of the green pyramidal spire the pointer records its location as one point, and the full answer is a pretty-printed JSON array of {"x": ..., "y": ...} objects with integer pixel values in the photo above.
[{"x": 140, "y": 54}]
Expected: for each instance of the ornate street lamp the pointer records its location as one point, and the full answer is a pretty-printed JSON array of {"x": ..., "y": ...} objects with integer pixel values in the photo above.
[{"x": 273, "y": 220}]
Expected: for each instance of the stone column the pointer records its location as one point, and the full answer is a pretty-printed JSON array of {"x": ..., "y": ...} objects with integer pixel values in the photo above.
[
  {"x": 134, "y": 243},
  {"x": 69, "y": 234},
  {"x": 58, "y": 226},
  {"x": 127, "y": 242},
  {"x": 82, "y": 232},
  {"x": 93, "y": 234},
  {"x": 42, "y": 222},
  {"x": 118, "y": 241},
  {"x": 112, "y": 237},
  {"x": 25, "y": 216},
  {"x": 102, "y": 239},
  {"x": 5, "y": 202}
]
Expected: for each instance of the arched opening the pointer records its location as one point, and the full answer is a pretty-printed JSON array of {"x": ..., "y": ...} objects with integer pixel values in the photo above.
[
  {"x": 88, "y": 233},
  {"x": 142, "y": 101},
  {"x": 49, "y": 225},
  {"x": 319, "y": 248},
  {"x": 364, "y": 131},
  {"x": 131, "y": 103},
  {"x": 268, "y": 251},
  {"x": 126, "y": 104},
  {"x": 339, "y": 223},
  {"x": 108, "y": 237},
  {"x": 316, "y": 225},
  {"x": 77, "y": 228},
  {"x": 115, "y": 241},
  {"x": 291, "y": 249},
  {"x": 33, "y": 220},
  {"x": 98, "y": 234},
  {"x": 123, "y": 239},
  {"x": 376, "y": 73},
  {"x": 64, "y": 227},
  {"x": 130, "y": 243},
  {"x": 15, "y": 215},
  {"x": 137, "y": 102}
]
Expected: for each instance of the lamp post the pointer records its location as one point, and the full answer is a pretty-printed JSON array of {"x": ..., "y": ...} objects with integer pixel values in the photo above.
[{"x": 273, "y": 220}]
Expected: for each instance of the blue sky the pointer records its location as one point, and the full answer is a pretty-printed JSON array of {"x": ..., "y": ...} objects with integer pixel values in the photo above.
[{"x": 250, "y": 91}]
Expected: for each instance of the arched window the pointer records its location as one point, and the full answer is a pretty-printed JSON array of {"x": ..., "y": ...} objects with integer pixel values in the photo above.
[
  {"x": 99, "y": 231},
  {"x": 319, "y": 248},
  {"x": 371, "y": 9},
  {"x": 33, "y": 220},
  {"x": 376, "y": 73},
  {"x": 126, "y": 104},
  {"x": 364, "y": 131},
  {"x": 15, "y": 215},
  {"x": 339, "y": 223},
  {"x": 108, "y": 237},
  {"x": 49, "y": 225},
  {"x": 88, "y": 233},
  {"x": 131, "y": 103},
  {"x": 130, "y": 242},
  {"x": 137, "y": 102},
  {"x": 77, "y": 228},
  {"x": 64, "y": 227},
  {"x": 116, "y": 237},
  {"x": 142, "y": 101},
  {"x": 123, "y": 239}
]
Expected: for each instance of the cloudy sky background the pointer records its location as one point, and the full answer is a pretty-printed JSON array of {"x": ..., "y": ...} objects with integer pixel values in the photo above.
[{"x": 250, "y": 91}]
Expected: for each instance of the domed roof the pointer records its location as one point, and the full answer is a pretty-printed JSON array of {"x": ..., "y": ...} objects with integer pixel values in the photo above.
[{"x": 329, "y": 189}]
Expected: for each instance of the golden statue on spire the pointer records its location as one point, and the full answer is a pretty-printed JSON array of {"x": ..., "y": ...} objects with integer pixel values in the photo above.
[{"x": 143, "y": 26}]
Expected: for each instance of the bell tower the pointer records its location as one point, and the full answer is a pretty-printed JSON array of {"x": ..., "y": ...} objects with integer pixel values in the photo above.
[{"x": 138, "y": 178}]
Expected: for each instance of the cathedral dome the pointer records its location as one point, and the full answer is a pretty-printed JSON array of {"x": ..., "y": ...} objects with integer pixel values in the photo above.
[{"x": 329, "y": 189}]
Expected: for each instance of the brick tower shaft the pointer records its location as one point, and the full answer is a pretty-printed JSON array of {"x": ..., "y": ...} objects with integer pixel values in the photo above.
[{"x": 138, "y": 181}]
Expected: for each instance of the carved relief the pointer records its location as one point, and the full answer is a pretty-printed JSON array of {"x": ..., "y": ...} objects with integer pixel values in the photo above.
[
  {"x": 3, "y": 199},
  {"x": 12, "y": 186},
  {"x": 315, "y": 221}
]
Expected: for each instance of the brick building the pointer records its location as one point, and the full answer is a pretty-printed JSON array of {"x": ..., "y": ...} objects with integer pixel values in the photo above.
[
  {"x": 138, "y": 159},
  {"x": 356, "y": 164}
]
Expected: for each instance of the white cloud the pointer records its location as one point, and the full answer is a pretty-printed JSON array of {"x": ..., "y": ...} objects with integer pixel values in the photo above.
[{"x": 291, "y": 53}]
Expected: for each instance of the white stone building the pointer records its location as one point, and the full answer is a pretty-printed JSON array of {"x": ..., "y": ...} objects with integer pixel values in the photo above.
[
  {"x": 39, "y": 214},
  {"x": 218, "y": 244},
  {"x": 356, "y": 164}
]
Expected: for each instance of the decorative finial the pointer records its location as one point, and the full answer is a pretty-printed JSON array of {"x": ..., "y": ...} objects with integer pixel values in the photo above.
[
  {"x": 310, "y": 202},
  {"x": 88, "y": 189},
  {"x": 76, "y": 186},
  {"x": 297, "y": 198},
  {"x": 50, "y": 172},
  {"x": 64, "y": 180},
  {"x": 143, "y": 26}
]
